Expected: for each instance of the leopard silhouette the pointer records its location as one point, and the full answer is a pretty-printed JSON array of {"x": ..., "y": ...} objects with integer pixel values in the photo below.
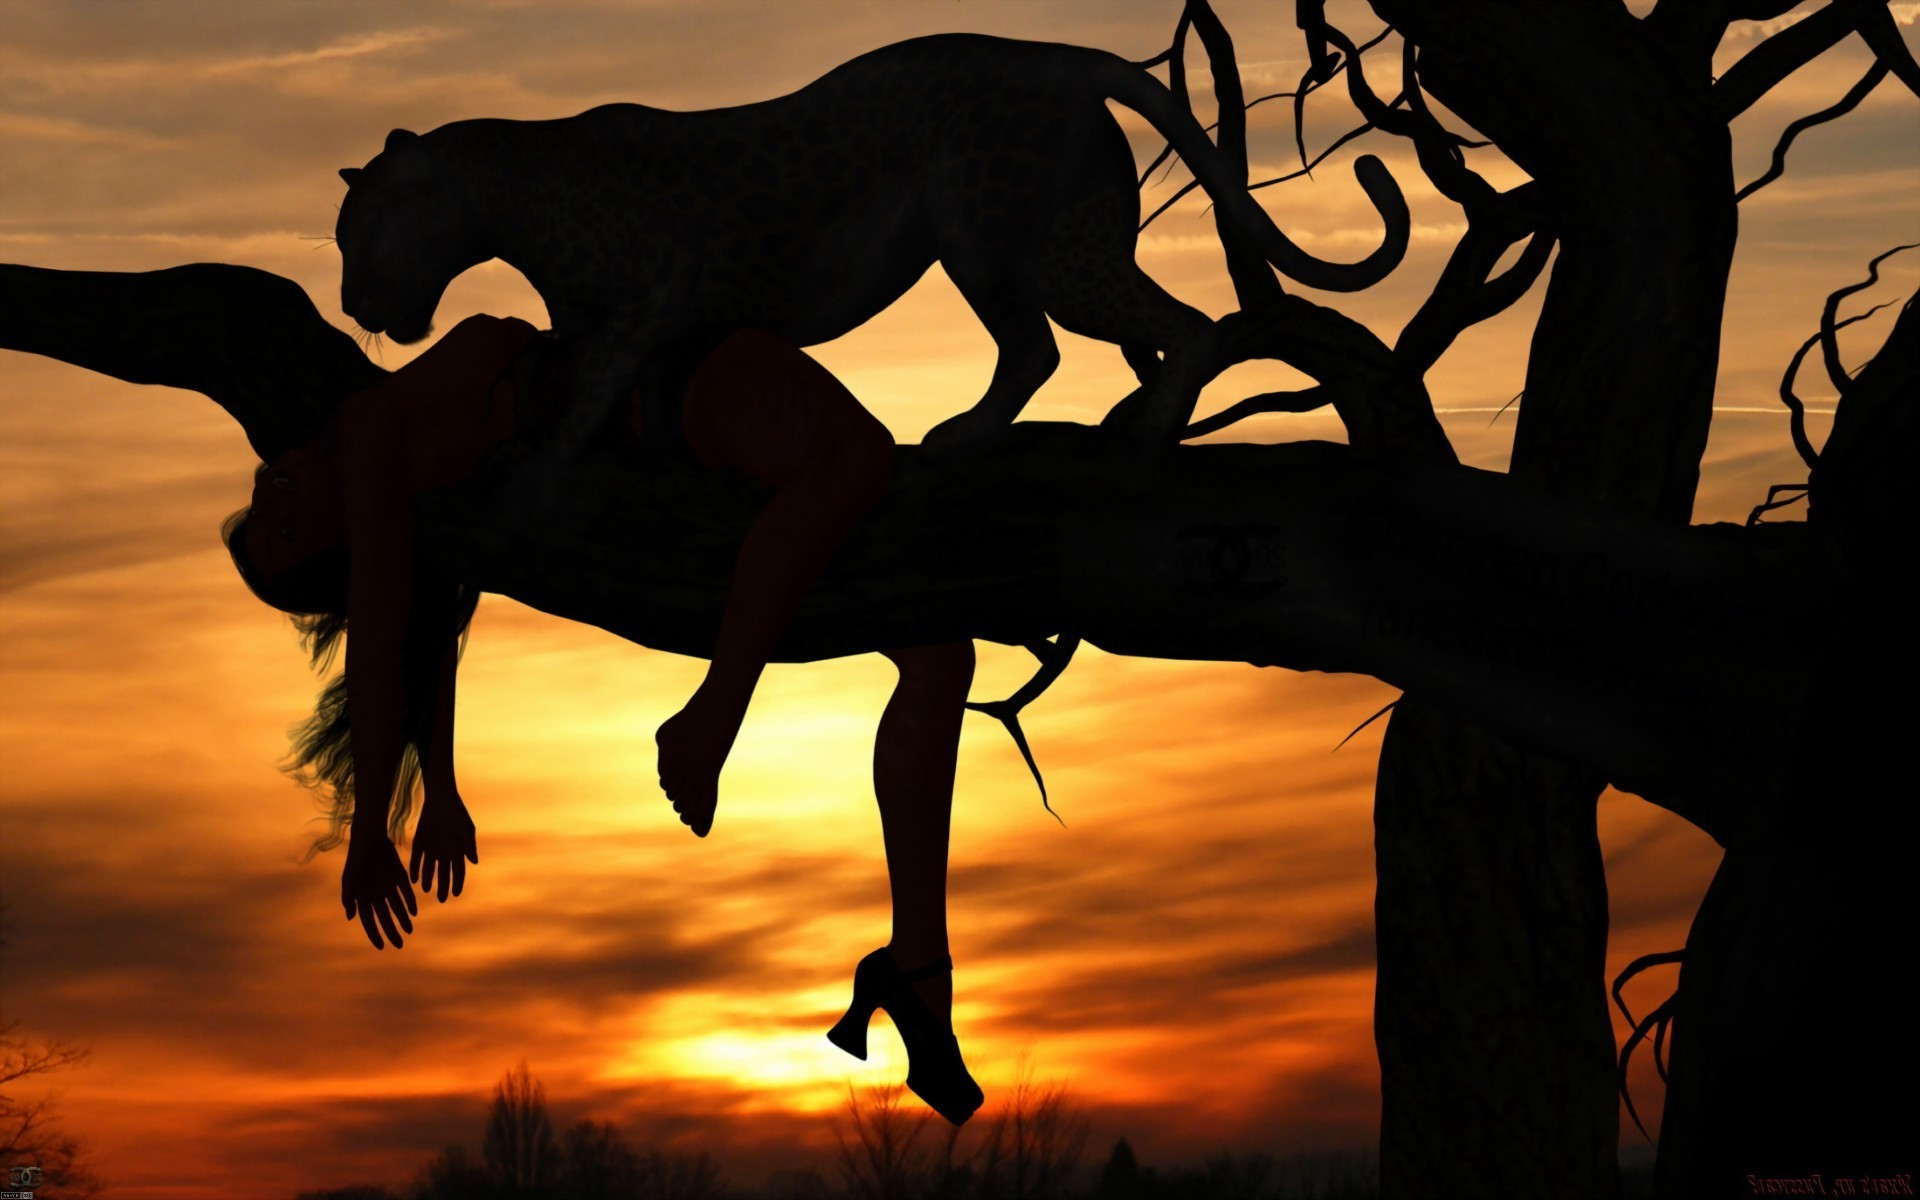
[{"x": 648, "y": 232}]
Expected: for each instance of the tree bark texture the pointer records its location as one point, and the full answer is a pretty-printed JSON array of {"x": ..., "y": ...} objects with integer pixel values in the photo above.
[{"x": 1496, "y": 1045}]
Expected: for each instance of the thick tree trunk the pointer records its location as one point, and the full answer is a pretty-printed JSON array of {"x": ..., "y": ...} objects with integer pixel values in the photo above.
[
  {"x": 1794, "y": 1020},
  {"x": 1495, "y": 1041},
  {"x": 1496, "y": 1051}
]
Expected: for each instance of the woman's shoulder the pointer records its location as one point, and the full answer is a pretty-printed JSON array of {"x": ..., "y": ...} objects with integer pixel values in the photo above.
[
  {"x": 472, "y": 345},
  {"x": 489, "y": 327},
  {"x": 456, "y": 368},
  {"x": 474, "y": 351}
]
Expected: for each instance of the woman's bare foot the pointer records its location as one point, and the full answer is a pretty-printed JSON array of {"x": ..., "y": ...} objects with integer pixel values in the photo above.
[{"x": 693, "y": 747}]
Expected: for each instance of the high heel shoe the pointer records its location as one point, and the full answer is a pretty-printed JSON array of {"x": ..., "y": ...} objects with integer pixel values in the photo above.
[{"x": 935, "y": 1072}]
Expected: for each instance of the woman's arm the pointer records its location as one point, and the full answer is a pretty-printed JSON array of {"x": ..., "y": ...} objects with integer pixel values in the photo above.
[
  {"x": 437, "y": 769},
  {"x": 760, "y": 406},
  {"x": 444, "y": 840},
  {"x": 374, "y": 884},
  {"x": 419, "y": 429}
]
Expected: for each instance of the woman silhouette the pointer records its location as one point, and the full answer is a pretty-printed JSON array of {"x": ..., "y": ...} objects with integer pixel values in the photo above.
[{"x": 328, "y": 537}]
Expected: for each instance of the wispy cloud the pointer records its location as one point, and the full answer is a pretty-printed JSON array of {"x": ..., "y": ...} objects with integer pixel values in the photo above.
[{"x": 393, "y": 43}]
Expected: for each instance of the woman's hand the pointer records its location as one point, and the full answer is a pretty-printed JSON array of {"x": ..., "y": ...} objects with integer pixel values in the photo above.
[
  {"x": 443, "y": 843},
  {"x": 374, "y": 886}
]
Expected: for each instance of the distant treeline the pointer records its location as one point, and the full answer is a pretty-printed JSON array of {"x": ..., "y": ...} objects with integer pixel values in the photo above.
[{"x": 1029, "y": 1146}]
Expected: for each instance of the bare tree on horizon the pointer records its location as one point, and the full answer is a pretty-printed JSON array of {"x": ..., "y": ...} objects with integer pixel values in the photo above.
[
  {"x": 518, "y": 1147},
  {"x": 30, "y": 1132}
]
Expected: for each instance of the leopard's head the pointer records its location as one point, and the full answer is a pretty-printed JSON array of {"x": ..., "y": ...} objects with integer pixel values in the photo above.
[{"x": 404, "y": 232}]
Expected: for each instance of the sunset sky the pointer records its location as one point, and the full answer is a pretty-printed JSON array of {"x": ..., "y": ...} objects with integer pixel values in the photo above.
[{"x": 1193, "y": 951}]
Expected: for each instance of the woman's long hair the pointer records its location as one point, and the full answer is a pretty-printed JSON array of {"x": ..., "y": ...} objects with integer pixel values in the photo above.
[{"x": 314, "y": 594}]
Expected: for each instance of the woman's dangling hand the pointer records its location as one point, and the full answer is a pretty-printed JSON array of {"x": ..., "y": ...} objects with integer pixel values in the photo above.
[
  {"x": 443, "y": 844},
  {"x": 374, "y": 887}
]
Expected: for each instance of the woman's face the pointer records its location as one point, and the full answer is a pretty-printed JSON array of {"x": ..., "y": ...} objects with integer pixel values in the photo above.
[{"x": 296, "y": 511}]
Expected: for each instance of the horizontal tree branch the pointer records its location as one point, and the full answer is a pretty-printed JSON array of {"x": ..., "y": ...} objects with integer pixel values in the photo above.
[{"x": 1663, "y": 657}]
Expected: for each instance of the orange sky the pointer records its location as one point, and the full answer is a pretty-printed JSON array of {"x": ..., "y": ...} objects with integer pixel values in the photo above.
[{"x": 1193, "y": 950}]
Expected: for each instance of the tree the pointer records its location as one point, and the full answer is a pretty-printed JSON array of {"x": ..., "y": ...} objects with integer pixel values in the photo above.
[
  {"x": 1555, "y": 630},
  {"x": 596, "y": 1163},
  {"x": 677, "y": 1175},
  {"x": 1034, "y": 1141},
  {"x": 452, "y": 1175},
  {"x": 519, "y": 1148},
  {"x": 1485, "y": 1095},
  {"x": 879, "y": 1143},
  {"x": 1121, "y": 1177},
  {"x": 805, "y": 1184},
  {"x": 30, "y": 1133},
  {"x": 1025, "y": 1150}
]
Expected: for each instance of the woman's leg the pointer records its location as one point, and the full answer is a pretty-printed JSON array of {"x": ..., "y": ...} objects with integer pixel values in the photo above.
[{"x": 914, "y": 754}]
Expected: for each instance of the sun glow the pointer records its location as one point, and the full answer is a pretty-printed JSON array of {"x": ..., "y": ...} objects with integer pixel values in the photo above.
[{"x": 784, "y": 1061}]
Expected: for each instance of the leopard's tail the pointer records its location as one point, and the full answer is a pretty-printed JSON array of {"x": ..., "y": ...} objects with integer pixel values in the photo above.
[{"x": 1131, "y": 86}]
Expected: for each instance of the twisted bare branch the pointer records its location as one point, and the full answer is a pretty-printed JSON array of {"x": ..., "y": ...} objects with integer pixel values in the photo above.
[
  {"x": 1846, "y": 104},
  {"x": 1167, "y": 151},
  {"x": 1307, "y": 171},
  {"x": 1464, "y": 296},
  {"x": 1764, "y": 66},
  {"x": 1175, "y": 56},
  {"x": 1054, "y": 656},
  {"x": 20, "y": 1058},
  {"x": 1384, "y": 406},
  {"x": 1882, "y": 36},
  {"x": 1780, "y": 495},
  {"x": 1796, "y": 411},
  {"x": 1437, "y": 149},
  {"x": 1305, "y": 400},
  {"x": 1657, "y": 1021},
  {"x": 1253, "y": 280},
  {"x": 1386, "y": 708},
  {"x": 1173, "y": 52},
  {"x": 1829, "y": 343},
  {"x": 1499, "y": 293}
]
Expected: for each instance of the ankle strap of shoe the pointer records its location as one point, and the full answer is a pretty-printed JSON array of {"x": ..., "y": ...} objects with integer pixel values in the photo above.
[{"x": 939, "y": 966}]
